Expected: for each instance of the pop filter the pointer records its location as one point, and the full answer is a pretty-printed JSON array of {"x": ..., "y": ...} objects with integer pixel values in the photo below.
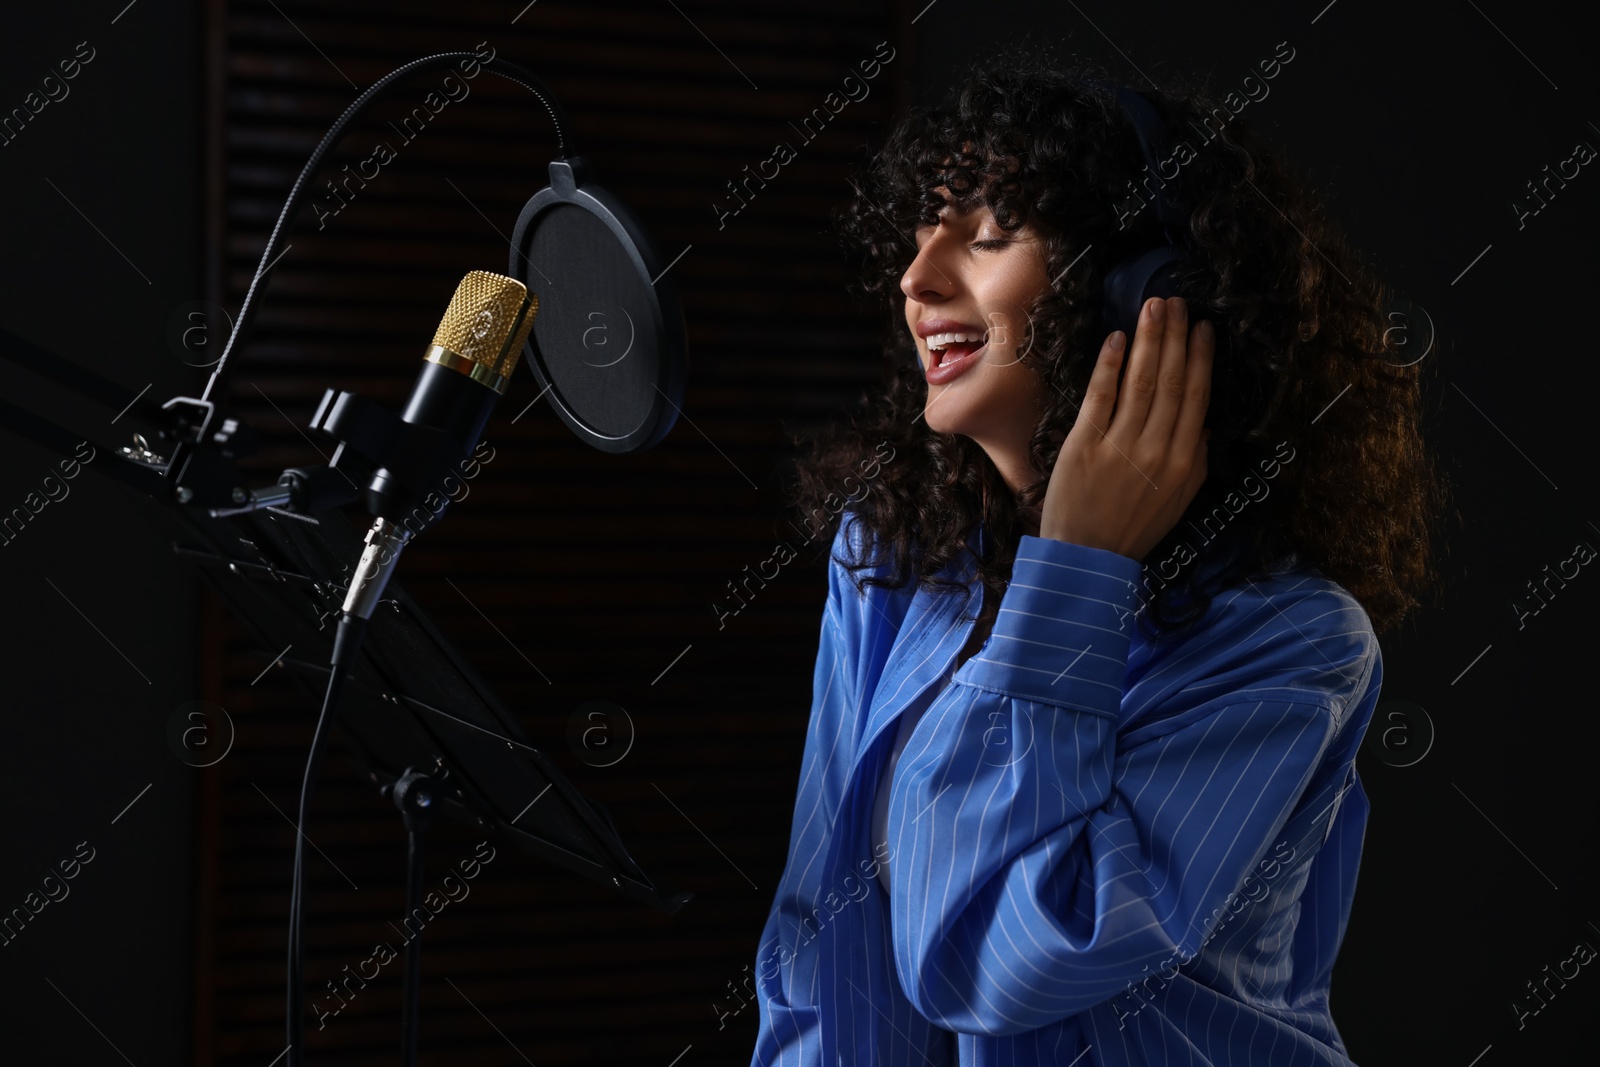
[{"x": 608, "y": 346}]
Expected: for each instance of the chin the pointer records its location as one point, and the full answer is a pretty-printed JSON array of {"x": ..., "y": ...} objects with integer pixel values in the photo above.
[
  {"x": 957, "y": 406},
  {"x": 943, "y": 420}
]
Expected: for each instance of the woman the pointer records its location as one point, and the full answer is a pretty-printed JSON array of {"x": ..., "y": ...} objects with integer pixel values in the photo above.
[{"x": 1111, "y": 816}]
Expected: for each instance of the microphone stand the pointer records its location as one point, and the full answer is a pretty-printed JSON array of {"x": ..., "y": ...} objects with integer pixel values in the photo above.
[
  {"x": 413, "y": 794},
  {"x": 325, "y": 488},
  {"x": 194, "y": 462}
]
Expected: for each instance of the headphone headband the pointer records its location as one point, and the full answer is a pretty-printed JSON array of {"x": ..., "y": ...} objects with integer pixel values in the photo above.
[
  {"x": 1155, "y": 145},
  {"x": 1152, "y": 271},
  {"x": 1155, "y": 142}
]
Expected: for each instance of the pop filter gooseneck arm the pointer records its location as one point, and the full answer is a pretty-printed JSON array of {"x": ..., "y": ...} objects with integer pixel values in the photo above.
[{"x": 506, "y": 69}]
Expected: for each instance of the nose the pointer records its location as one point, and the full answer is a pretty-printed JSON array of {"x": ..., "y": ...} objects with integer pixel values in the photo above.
[{"x": 924, "y": 280}]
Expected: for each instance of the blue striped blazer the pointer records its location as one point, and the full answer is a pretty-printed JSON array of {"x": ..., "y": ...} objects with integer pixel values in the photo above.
[{"x": 1102, "y": 850}]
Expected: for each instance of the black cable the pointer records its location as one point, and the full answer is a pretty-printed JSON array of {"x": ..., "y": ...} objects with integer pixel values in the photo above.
[
  {"x": 504, "y": 68},
  {"x": 346, "y": 642}
]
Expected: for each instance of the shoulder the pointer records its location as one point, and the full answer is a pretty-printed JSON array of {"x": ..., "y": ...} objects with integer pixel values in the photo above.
[
  {"x": 1297, "y": 632},
  {"x": 855, "y": 555},
  {"x": 1293, "y": 638}
]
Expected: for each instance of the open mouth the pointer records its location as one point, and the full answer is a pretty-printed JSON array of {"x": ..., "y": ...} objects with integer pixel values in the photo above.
[{"x": 952, "y": 348}]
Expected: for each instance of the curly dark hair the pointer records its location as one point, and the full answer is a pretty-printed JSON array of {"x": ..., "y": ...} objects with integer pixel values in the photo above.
[{"x": 1303, "y": 357}]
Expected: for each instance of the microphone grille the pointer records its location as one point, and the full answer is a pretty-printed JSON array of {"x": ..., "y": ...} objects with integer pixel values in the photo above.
[{"x": 487, "y": 323}]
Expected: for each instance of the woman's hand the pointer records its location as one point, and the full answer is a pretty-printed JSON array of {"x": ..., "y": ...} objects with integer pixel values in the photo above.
[{"x": 1122, "y": 483}]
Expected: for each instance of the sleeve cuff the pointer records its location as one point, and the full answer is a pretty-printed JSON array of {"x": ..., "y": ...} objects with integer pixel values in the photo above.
[{"x": 1064, "y": 627}]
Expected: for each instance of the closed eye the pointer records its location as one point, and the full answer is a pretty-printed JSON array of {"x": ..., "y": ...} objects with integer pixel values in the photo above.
[{"x": 993, "y": 243}]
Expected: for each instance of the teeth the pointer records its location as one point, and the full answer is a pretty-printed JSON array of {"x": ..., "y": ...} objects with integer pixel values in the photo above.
[{"x": 942, "y": 340}]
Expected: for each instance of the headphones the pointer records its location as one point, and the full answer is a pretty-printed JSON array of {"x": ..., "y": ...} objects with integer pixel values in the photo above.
[
  {"x": 1136, "y": 278},
  {"x": 1140, "y": 276}
]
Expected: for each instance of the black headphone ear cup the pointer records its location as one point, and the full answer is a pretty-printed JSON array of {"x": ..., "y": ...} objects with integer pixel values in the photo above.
[{"x": 1134, "y": 280}]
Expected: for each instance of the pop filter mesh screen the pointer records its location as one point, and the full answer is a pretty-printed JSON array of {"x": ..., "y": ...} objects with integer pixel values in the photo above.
[{"x": 595, "y": 338}]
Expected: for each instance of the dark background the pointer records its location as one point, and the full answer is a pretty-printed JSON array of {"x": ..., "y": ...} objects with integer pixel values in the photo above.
[{"x": 153, "y": 185}]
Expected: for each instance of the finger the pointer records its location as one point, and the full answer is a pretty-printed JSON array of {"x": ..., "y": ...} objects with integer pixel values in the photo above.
[
  {"x": 1133, "y": 401},
  {"x": 1196, "y": 389},
  {"x": 1170, "y": 382},
  {"x": 1100, "y": 395}
]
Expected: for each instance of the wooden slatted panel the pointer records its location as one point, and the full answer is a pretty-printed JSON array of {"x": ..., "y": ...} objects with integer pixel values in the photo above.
[{"x": 598, "y": 569}]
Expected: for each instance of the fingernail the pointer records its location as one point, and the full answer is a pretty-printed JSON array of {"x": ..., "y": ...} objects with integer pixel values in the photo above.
[
  {"x": 1206, "y": 332},
  {"x": 1158, "y": 309}
]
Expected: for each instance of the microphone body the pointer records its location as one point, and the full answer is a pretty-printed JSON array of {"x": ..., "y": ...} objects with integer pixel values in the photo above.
[
  {"x": 464, "y": 372},
  {"x": 456, "y": 405}
]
